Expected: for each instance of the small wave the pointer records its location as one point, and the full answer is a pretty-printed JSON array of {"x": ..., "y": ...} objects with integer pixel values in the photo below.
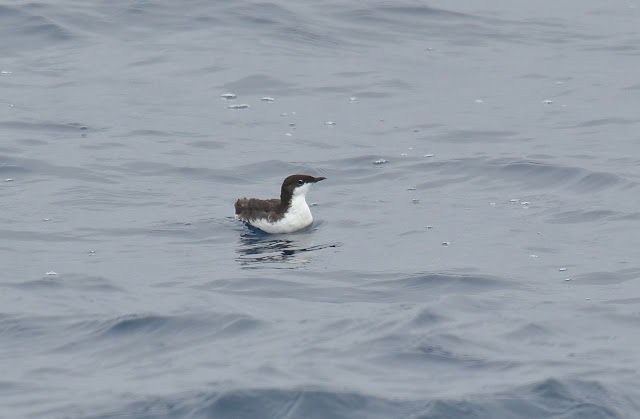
[
  {"x": 608, "y": 278},
  {"x": 45, "y": 126},
  {"x": 259, "y": 84},
  {"x": 608, "y": 121},
  {"x": 464, "y": 283},
  {"x": 34, "y": 28},
  {"x": 574, "y": 217},
  {"x": 68, "y": 281},
  {"x": 532, "y": 174},
  {"x": 170, "y": 326},
  {"x": 551, "y": 398}
]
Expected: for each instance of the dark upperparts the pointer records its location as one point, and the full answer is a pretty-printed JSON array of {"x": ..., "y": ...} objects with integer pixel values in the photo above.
[{"x": 272, "y": 209}]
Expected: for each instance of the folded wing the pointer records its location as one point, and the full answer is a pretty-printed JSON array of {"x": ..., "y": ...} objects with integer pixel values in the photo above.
[{"x": 252, "y": 209}]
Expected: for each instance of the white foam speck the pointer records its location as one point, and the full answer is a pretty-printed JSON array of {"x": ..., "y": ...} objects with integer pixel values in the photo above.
[
  {"x": 51, "y": 273},
  {"x": 329, "y": 123},
  {"x": 381, "y": 161},
  {"x": 562, "y": 269},
  {"x": 267, "y": 99},
  {"x": 241, "y": 106},
  {"x": 547, "y": 102},
  {"x": 429, "y": 155},
  {"x": 228, "y": 96}
]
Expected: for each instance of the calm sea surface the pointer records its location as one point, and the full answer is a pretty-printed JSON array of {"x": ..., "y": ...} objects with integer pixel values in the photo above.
[{"x": 476, "y": 245}]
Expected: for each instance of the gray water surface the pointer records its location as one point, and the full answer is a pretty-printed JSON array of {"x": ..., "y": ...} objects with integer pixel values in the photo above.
[{"x": 475, "y": 246}]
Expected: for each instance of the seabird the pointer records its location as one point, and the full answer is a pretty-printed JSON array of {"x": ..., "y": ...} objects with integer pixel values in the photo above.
[{"x": 285, "y": 215}]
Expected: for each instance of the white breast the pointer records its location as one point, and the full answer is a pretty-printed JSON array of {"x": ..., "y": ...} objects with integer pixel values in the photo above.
[{"x": 297, "y": 217}]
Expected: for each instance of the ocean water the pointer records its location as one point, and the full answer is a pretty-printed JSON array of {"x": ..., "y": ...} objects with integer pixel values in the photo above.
[{"x": 475, "y": 250}]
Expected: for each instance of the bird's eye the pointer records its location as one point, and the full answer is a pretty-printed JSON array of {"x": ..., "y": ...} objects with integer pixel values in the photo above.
[{"x": 300, "y": 181}]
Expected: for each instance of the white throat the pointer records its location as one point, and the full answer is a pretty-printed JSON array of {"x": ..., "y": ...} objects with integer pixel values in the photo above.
[{"x": 297, "y": 217}]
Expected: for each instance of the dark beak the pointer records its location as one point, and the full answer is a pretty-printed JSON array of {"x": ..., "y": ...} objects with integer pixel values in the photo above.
[{"x": 318, "y": 179}]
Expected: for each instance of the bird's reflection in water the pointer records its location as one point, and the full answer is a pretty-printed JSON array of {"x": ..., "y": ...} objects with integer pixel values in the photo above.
[{"x": 257, "y": 248}]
